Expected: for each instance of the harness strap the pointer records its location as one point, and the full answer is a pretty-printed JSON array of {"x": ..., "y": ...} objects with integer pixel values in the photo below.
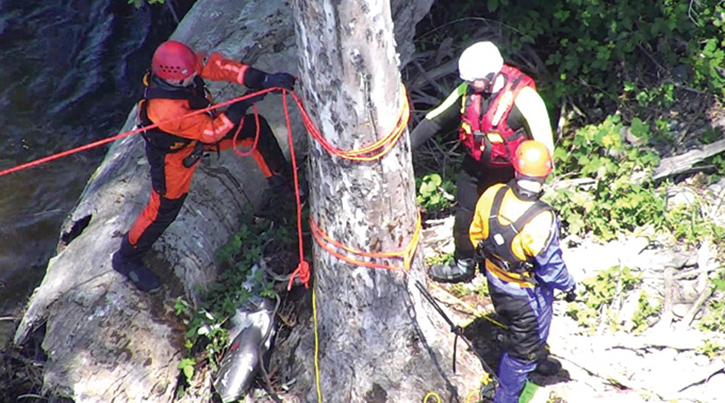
[
  {"x": 506, "y": 99},
  {"x": 497, "y": 246},
  {"x": 157, "y": 138}
]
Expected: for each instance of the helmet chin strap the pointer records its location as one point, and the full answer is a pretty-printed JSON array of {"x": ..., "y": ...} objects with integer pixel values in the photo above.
[{"x": 528, "y": 188}]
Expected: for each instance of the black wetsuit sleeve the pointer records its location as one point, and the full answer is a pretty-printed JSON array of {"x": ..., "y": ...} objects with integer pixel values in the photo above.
[{"x": 440, "y": 120}]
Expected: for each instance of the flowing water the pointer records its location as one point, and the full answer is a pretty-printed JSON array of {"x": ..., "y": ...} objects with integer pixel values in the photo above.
[{"x": 70, "y": 72}]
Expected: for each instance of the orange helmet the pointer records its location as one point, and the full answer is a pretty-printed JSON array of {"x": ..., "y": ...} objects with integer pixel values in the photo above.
[
  {"x": 532, "y": 159},
  {"x": 175, "y": 61}
]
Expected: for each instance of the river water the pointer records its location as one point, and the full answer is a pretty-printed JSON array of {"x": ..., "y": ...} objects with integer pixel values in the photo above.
[{"x": 70, "y": 72}]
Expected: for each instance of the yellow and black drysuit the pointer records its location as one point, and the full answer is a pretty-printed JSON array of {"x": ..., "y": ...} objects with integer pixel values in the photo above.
[
  {"x": 490, "y": 126},
  {"x": 175, "y": 146},
  {"x": 518, "y": 236}
]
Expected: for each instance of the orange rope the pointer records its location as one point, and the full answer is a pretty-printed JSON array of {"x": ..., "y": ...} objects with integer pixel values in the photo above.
[
  {"x": 303, "y": 268},
  {"x": 407, "y": 253},
  {"x": 367, "y": 153},
  {"x": 251, "y": 149}
]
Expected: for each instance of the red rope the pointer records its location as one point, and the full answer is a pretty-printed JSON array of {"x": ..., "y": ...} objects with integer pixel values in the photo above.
[
  {"x": 98, "y": 143},
  {"x": 303, "y": 268}
]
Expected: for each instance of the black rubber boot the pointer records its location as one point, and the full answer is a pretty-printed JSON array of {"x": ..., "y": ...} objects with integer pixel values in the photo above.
[
  {"x": 143, "y": 278},
  {"x": 547, "y": 366},
  {"x": 460, "y": 270}
]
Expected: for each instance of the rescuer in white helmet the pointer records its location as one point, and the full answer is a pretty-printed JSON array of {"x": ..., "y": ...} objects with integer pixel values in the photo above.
[{"x": 496, "y": 108}]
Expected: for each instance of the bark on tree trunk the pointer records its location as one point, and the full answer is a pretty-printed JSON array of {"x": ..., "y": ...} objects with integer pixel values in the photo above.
[{"x": 377, "y": 340}]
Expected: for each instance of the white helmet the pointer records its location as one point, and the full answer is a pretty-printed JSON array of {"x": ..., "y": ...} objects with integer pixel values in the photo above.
[{"x": 482, "y": 60}]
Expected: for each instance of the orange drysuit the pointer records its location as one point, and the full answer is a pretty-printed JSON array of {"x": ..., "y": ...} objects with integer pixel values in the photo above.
[{"x": 174, "y": 147}]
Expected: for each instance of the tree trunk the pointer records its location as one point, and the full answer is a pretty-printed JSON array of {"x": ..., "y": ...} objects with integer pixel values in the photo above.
[
  {"x": 378, "y": 341},
  {"x": 105, "y": 340}
]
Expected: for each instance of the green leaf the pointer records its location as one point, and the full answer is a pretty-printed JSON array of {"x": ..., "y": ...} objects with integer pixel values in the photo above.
[
  {"x": 189, "y": 372},
  {"x": 185, "y": 362},
  {"x": 492, "y": 5}
]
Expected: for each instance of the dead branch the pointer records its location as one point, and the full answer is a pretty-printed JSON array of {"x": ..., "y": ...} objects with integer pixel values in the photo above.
[
  {"x": 700, "y": 375},
  {"x": 697, "y": 305},
  {"x": 435, "y": 73},
  {"x": 668, "y": 299},
  {"x": 620, "y": 383},
  {"x": 684, "y": 162},
  {"x": 692, "y": 273},
  {"x": 705, "y": 262},
  {"x": 441, "y": 91},
  {"x": 677, "y": 339}
]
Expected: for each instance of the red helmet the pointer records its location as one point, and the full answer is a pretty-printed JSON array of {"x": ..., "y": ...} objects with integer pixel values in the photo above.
[
  {"x": 175, "y": 61},
  {"x": 532, "y": 159}
]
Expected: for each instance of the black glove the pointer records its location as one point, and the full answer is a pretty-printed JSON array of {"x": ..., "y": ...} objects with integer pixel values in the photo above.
[
  {"x": 239, "y": 108},
  {"x": 480, "y": 255},
  {"x": 283, "y": 80},
  {"x": 571, "y": 295}
]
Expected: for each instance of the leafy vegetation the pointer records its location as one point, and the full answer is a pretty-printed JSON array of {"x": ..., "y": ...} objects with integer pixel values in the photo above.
[
  {"x": 613, "y": 202},
  {"x": 599, "y": 294},
  {"x": 589, "y": 48},
  {"x": 714, "y": 319},
  {"x": 620, "y": 196},
  {"x": 711, "y": 349},
  {"x": 434, "y": 193},
  {"x": 460, "y": 290},
  {"x": 439, "y": 259},
  {"x": 645, "y": 310}
]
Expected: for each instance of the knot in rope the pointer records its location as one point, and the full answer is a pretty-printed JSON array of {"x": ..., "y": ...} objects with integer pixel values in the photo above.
[{"x": 303, "y": 272}]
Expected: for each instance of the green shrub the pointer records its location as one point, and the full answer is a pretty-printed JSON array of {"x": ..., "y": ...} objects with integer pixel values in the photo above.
[
  {"x": 598, "y": 294},
  {"x": 614, "y": 203},
  {"x": 433, "y": 191}
]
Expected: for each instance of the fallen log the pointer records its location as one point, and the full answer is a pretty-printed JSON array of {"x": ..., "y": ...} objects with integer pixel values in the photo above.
[
  {"x": 105, "y": 340},
  {"x": 684, "y": 162}
]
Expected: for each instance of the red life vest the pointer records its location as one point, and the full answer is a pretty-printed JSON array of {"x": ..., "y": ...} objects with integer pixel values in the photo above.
[{"x": 485, "y": 133}]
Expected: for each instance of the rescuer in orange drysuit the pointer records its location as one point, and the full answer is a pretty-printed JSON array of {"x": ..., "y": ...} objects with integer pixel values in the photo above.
[{"x": 173, "y": 89}]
